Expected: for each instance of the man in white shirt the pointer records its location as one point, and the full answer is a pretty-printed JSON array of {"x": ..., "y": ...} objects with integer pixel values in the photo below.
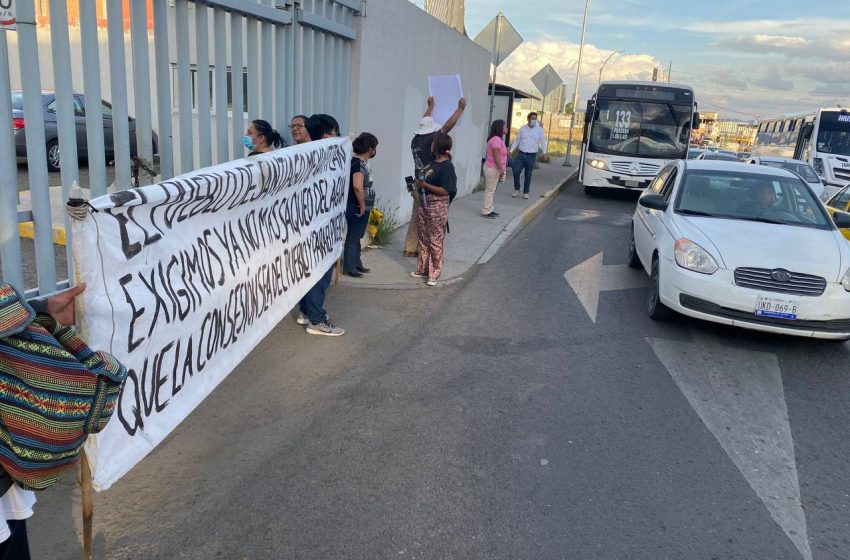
[{"x": 529, "y": 140}]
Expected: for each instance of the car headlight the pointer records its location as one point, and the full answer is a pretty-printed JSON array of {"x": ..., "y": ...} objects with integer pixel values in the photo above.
[
  {"x": 817, "y": 163},
  {"x": 691, "y": 256},
  {"x": 824, "y": 196},
  {"x": 597, "y": 164},
  {"x": 846, "y": 281}
]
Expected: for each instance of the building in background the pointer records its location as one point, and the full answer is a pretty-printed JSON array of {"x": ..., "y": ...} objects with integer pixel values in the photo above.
[
  {"x": 555, "y": 102},
  {"x": 450, "y": 12}
]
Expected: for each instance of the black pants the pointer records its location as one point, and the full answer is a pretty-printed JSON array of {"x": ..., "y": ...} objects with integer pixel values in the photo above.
[
  {"x": 16, "y": 547},
  {"x": 356, "y": 228}
]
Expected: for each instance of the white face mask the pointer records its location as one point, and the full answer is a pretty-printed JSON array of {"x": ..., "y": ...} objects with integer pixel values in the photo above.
[{"x": 532, "y": 123}]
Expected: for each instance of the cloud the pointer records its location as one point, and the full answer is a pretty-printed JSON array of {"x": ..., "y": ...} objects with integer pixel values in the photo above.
[
  {"x": 531, "y": 56},
  {"x": 800, "y": 26},
  {"x": 829, "y": 48},
  {"x": 724, "y": 76}
]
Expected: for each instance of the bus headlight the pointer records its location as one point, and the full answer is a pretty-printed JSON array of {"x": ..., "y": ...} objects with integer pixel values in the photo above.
[
  {"x": 817, "y": 163},
  {"x": 597, "y": 164}
]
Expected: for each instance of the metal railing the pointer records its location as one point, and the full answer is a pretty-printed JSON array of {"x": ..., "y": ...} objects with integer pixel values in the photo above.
[{"x": 272, "y": 59}]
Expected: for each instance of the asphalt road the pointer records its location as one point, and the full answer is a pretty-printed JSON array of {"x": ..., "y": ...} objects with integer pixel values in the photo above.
[{"x": 496, "y": 419}]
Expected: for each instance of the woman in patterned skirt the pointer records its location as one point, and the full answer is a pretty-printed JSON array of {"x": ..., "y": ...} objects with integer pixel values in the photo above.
[{"x": 437, "y": 190}]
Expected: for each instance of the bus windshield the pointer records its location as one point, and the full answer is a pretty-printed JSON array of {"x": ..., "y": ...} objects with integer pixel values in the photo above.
[
  {"x": 834, "y": 133},
  {"x": 641, "y": 128}
]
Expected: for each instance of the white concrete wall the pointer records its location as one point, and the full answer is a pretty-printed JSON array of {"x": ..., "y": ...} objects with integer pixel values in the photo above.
[{"x": 398, "y": 47}]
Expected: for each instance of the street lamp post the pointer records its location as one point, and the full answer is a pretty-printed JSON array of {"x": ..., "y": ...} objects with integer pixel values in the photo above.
[
  {"x": 575, "y": 92},
  {"x": 606, "y": 62}
]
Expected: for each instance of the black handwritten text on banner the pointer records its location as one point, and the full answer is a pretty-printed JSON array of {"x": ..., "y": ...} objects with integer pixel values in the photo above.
[{"x": 186, "y": 277}]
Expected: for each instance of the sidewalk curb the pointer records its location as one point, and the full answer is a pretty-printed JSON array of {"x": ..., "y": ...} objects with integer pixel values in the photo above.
[
  {"x": 525, "y": 218},
  {"x": 512, "y": 228}
]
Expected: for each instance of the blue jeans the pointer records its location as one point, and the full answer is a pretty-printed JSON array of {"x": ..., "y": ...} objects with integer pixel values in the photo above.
[
  {"x": 524, "y": 162},
  {"x": 356, "y": 228},
  {"x": 312, "y": 304}
]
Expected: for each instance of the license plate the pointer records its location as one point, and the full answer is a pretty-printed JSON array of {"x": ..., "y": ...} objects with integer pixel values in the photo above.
[
  {"x": 777, "y": 308},
  {"x": 631, "y": 184}
]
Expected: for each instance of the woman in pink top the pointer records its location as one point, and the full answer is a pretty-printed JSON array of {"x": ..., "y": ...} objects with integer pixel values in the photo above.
[{"x": 494, "y": 166}]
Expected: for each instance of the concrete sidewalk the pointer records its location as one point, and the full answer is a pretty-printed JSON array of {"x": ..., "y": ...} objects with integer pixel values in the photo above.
[{"x": 473, "y": 239}]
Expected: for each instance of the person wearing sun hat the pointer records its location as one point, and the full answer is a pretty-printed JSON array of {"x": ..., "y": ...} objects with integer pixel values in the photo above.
[{"x": 420, "y": 146}]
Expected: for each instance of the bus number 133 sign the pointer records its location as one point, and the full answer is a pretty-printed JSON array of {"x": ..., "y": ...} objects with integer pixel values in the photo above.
[{"x": 7, "y": 15}]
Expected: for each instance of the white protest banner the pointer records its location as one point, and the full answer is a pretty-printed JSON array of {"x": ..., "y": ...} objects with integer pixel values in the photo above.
[
  {"x": 446, "y": 91},
  {"x": 185, "y": 277},
  {"x": 8, "y": 19}
]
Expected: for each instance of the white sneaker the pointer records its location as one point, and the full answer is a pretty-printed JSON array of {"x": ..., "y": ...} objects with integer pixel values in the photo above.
[
  {"x": 431, "y": 282},
  {"x": 515, "y": 194},
  {"x": 325, "y": 328},
  {"x": 302, "y": 319},
  {"x": 418, "y": 274},
  {"x": 525, "y": 196}
]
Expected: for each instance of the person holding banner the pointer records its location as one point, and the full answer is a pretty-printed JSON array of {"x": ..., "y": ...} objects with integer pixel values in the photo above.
[
  {"x": 298, "y": 129},
  {"x": 420, "y": 147},
  {"x": 261, "y": 138},
  {"x": 361, "y": 200},
  {"x": 495, "y": 166},
  {"x": 16, "y": 503},
  {"x": 438, "y": 187},
  {"x": 311, "y": 307}
]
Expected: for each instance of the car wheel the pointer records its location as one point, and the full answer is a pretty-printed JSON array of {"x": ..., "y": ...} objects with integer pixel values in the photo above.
[
  {"x": 654, "y": 308},
  {"x": 634, "y": 259},
  {"x": 590, "y": 191},
  {"x": 53, "y": 155}
]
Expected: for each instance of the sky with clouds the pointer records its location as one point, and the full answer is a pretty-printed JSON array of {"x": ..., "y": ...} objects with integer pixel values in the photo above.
[{"x": 743, "y": 57}]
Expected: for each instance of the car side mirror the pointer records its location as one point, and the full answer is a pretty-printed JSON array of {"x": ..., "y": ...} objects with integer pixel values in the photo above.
[
  {"x": 695, "y": 124},
  {"x": 655, "y": 201},
  {"x": 841, "y": 219}
]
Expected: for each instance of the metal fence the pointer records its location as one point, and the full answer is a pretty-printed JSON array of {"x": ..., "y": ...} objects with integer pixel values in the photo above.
[{"x": 163, "y": 114}]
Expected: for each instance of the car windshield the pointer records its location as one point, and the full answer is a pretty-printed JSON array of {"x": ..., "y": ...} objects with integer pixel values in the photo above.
[
  {"x": 750, "y": 196},
  {"x": 719, "y": 156},
  {"x": 802, "y": 169},
  {"x": 641, "y": 128},
  {"x": 17, "y": 101}
]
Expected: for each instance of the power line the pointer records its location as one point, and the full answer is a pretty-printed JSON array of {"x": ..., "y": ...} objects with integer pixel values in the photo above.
[{"x": 726, "y": 108}]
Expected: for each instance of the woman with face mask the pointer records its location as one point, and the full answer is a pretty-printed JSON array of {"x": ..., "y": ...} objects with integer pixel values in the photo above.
[
  {"x": 361, "y": 200},
  {"x": 495, "y": 166},
  {"x": 261, "y": 137}
]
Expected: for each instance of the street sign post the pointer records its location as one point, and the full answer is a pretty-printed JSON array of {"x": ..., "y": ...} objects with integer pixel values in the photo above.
[
  {"x": 546, "y": 81},
  {"x": 501, "y": 39}
]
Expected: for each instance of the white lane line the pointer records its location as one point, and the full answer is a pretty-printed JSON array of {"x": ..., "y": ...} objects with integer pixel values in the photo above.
[
  {"x": 739, "y": 396},
  {"x": 591, "y": 277}
]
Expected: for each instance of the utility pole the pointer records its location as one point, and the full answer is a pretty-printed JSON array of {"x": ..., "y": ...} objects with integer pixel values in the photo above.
[
  {"x": 669, "y": 71},
  {"x": 575, "y": 93}
]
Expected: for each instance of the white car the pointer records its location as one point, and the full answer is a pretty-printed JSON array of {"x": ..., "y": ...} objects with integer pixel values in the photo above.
[
  {"x": 744, "y": 245},
  {"x": 801, "y": 168}
]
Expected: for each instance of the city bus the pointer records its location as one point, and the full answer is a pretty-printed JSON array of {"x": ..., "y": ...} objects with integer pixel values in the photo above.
[
  {"x": 820, "y": 138},
  {"x": 632, "y": 130}
]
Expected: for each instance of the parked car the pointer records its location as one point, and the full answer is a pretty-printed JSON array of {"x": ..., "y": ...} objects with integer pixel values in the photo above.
[
  {"x": 840, "y": 202},
  {"x": 744, "y": 156},
  {"x": 51, "y": 130},
  {"x": 802, "y": 169},
  {"x": 744, "y": 245},
  {"x": 694, "y": 153}
]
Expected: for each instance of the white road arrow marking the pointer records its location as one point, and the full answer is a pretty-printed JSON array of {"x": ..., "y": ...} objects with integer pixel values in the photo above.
[
  {"x": 739, "y": 396},
  {"x": 591, "y": 277}
]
